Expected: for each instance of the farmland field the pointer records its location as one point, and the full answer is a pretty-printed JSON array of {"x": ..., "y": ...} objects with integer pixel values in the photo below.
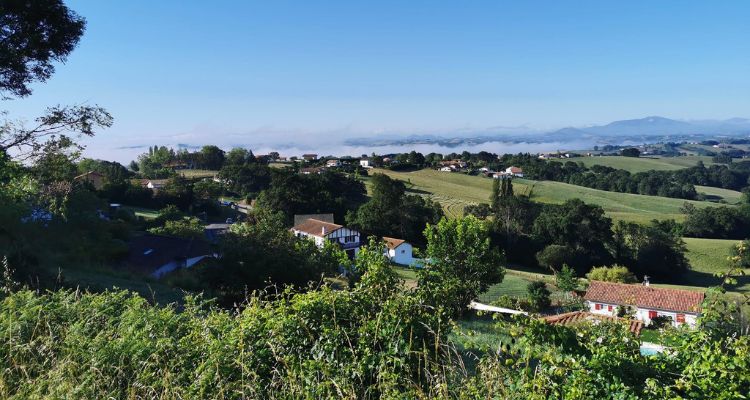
[{"x": 454, "y": 191}]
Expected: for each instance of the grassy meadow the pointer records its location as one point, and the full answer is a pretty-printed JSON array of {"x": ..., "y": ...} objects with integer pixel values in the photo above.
[
  {"x": 718, "y": 194},
  {"x": 455, "y": 190},
  {"x": 642, "y": 164}
]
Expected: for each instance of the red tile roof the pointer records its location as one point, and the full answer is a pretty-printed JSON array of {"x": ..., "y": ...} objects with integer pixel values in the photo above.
[
  {"x": 392, "y": 243},
  {"x": 578, "y": 317},
  {"x": 645, "y": 296},
  {"x": 315, "y": 227}
]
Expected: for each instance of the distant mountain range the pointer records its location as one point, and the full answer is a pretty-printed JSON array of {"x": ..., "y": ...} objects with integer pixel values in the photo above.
[{"x": 643, "y": 130}]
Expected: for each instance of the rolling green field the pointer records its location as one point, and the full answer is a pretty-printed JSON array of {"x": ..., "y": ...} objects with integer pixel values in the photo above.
[
  {"x": 454, "y": 191},
  {"x": 719, "y": 194},
  {"x": 642, "y": 164},
  {"x": 708, "y": 257}
]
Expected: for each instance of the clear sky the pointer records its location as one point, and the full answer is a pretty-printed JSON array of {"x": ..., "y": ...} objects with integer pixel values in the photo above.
[{"x": 196, "y": 71}]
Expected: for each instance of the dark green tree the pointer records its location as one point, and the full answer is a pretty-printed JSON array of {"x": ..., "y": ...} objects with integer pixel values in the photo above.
[
  {"x": 392, "y": 212},
  {"x": 35, "y": 35},
  {"x": 538, "y": 295}
]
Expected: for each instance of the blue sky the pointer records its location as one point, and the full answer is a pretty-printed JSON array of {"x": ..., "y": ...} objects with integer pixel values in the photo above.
[{"x": 241, "y": 71}]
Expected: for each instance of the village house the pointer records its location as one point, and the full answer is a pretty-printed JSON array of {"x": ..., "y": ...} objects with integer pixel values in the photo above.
[
  {"x": 94, "y": 178},
  {"x": 213, "y": 232},
  {"x": 682, "y": 306},
  {"x": 398, "y": 251},
  {"x": 158, "y": 255},
  {"x": 311, "y": 170},
  {"x": 510, "y": 172},
  {"x": 514, "y": 171},
  {"x": 575, "y": 318},
  {"x": 454, "y": 164},
  {"x": 364, "y": 162},
  {"x": 321, "y": 231},
  {"x": 309, "y": 157},
  {"x": 154, "y": 184},
  {"x": 333, "y": 163}
]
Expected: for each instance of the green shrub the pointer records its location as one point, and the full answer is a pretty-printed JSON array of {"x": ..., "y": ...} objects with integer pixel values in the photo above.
[{"x": 615, "y": 273}]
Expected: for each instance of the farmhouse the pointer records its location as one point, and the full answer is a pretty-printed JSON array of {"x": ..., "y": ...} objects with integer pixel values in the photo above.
[
  {"x": 94, "y": 178},
  {"x": 682, "y": 306},
  {"x": 398, "y": 251},
  {"x": 309, "y": 157},
  {"x": 333, "y": 163},
  {"x": 322, "y": 231},
  {"x": 364, "y": 162}
]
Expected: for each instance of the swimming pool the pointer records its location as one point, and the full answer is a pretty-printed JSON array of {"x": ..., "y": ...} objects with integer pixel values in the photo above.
[{"x": 651, "y": 349}]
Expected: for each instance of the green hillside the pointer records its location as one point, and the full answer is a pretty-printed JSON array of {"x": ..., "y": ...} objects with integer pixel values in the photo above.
[
  {"x": 719, "y": 194},
  {"x": 454, "y": 191},
  {"x": 642, "y": 164}
]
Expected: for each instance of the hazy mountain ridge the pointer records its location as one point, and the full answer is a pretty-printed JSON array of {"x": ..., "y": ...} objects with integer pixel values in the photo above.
[{"x": 648, "y": 129}]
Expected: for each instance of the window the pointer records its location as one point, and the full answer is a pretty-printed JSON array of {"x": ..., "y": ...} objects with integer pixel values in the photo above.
[
  {"x": 652, "y": 314},
  {"x": 680, "y": 318},
  {"x": 609, "y": 308},
  {"x": 403, "y": 251},
  {"x": 597, "y": 306}
]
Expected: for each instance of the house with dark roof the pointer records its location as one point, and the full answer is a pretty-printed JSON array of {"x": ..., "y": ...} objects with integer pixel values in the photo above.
[
  {"x": 682, "y": 306},
  {"x": 322, "y": 231},
  {"x": 94, "y": 178},
  {"x": 576, "y": 318},
  {"x": 158, "y": 255},
  {"x": 213, "y": 232},
  {"x": 398, "y": 251}
]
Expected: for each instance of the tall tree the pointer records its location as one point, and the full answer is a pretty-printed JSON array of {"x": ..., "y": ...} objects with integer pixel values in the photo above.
[{"x": 34, "y": 35}]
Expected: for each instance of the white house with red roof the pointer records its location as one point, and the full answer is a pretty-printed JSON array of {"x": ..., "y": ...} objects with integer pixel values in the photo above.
[
  {"x": 321, "y": 231},
  {"x": 682, "y": 306},
  {"x": 398, "y": 251}
]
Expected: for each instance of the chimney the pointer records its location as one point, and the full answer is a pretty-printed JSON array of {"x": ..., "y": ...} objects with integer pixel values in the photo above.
[
  {"x": 323, "y": 231},
  {"x": 645, "y": 280}
]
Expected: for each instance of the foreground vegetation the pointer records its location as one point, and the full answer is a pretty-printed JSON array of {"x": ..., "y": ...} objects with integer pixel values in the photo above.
[{"x": 376, "y": 340}]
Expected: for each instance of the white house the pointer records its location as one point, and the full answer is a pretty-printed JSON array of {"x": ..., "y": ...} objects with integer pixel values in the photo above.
[
  {"x": 322, "y": 231},
  {"x": 682, "y": 306},
  {"x": 365, "y": 162},
  {"x": 514, "y": 171},
  {"x": 447, "y": 169},
  {"x": 333, "y": 163},
  {"x": 398, "y": 251}
]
